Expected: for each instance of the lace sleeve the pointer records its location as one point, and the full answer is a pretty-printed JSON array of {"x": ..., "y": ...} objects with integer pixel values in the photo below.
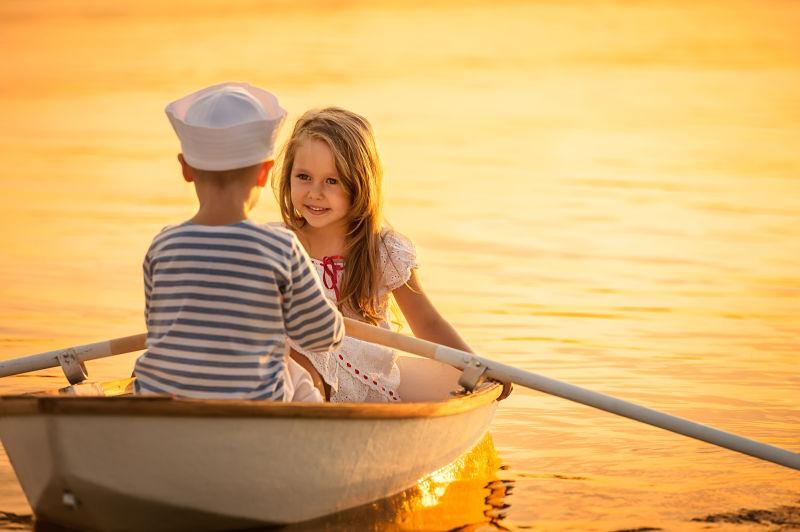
[{"x": 398, "y": 259}]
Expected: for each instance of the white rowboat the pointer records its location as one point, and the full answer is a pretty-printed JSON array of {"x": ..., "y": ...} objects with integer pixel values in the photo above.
[{"x": 144, "y": 463}]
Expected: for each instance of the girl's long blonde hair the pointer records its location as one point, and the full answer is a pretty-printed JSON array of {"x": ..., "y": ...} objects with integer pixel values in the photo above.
[{"x": 352, "y": 142}]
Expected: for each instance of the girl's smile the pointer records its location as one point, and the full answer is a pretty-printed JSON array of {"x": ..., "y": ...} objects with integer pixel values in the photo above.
[
  {"x": 316, "y": 210},
  {"x": 316, "y": 189}
]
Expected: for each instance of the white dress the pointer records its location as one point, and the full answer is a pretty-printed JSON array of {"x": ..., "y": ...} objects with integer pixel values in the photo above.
[
  {"x": 298, "y": 385},
  {"x": 358, "y": 371}
]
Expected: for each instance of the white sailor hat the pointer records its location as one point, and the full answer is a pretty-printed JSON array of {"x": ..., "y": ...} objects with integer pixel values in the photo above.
[{"x": 226, "y": 126}]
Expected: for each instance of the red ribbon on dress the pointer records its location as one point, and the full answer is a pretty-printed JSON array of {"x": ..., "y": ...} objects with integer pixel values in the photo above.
[{"x": 330, "y": 273}]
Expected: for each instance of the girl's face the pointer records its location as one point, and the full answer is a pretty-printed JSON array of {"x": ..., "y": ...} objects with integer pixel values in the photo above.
[{"x": 317, "y": 192}]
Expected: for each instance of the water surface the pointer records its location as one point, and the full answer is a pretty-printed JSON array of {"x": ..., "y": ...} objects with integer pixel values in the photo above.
[{"x": 604, "y": 192}]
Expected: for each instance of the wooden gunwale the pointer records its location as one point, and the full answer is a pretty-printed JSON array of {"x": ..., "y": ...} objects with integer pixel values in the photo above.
[{"x": 164, "y": 406}]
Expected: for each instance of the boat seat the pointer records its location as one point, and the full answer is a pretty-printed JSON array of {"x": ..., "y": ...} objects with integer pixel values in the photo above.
[{"x": 422, "y": 379}]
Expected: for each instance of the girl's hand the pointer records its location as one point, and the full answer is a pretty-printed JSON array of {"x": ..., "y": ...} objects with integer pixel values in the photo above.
[{"x": 507, "y": 388}]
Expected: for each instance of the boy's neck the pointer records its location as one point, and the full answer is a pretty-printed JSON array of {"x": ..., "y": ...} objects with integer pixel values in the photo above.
[
  {"x": 205, "y": 218},
  {"x": 221, "y": 213},
  {"x": 224, "y": 206}
]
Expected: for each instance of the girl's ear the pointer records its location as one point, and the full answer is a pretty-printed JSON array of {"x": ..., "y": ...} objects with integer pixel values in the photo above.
[
  {"x": 263, "y": 172},
  {"x": 186, "y": 170}
]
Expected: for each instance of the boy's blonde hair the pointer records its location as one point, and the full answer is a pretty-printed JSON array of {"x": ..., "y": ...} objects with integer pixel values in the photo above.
[{"x": 352, "y": 142}]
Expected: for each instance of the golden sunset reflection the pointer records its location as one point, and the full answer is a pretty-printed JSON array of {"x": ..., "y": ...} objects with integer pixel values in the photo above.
[
  {"x": 606, "y": 192},
  {"x": 464, "y": 494}
]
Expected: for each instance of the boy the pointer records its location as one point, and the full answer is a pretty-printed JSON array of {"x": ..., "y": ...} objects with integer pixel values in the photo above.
[{"x": 221, "y": 293}]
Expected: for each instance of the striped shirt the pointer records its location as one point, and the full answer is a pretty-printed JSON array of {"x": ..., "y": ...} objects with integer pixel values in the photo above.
[{"x": 220, "y": 302}]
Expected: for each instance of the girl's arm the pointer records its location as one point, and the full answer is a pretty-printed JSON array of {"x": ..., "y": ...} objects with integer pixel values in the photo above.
[
  {"x": 422, "y": 316},
  {"x": 427, "y": 323}
]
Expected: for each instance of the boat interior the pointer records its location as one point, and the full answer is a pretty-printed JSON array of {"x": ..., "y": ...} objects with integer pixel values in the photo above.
[{"x": 422, "y": 380}]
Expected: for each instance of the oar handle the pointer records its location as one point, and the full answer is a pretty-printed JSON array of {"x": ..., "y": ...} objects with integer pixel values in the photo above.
[
  {"x": 377, "y": 335},
  {"x": 50, "y": 359},
  {"x": 506, "y": 373}
]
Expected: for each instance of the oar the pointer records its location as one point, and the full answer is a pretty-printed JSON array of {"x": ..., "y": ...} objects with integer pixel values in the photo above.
[
  {"x": 460, "y": 360},
  {"x": 79, "y": 353},
  {"x": 506, "y": 373}
]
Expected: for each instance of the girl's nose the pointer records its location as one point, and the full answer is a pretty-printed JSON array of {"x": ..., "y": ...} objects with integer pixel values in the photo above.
[{"x": 315, "y": 189}]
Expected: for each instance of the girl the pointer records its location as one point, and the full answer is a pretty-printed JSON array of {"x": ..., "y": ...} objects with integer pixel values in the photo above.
[{"x": 329, "y": 191}]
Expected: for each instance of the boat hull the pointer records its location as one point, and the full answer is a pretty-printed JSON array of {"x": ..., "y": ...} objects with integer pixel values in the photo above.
[{"x": 165, "y": 464}]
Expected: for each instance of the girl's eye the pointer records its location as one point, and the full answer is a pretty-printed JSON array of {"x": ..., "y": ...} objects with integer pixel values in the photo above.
[
  {"x": 302, "y": 177},
  {"x": 332, "y": 181}
]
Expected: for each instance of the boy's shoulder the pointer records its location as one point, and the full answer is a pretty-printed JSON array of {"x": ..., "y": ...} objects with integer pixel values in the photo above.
[
  {"x": 166, "y": 231},
  {"x": 278, "y": 229},
  {"x": 171, "y": 227},
  {"x": 275, "y": 236},
  {"x": 278, "y": 233},
  {"x": 276, "y": 226}
]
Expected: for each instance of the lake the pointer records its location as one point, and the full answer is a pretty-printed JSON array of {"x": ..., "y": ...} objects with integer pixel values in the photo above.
[{"x": 604, "y": 192}]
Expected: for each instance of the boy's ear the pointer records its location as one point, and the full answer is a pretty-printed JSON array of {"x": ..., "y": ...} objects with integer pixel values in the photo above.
[
  {"x": 263, "y": 172},
  {"x": 186, "y": 170}
]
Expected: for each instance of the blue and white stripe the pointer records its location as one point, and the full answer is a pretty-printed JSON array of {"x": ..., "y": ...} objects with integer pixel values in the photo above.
[{"x": 219, "y": 304}]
